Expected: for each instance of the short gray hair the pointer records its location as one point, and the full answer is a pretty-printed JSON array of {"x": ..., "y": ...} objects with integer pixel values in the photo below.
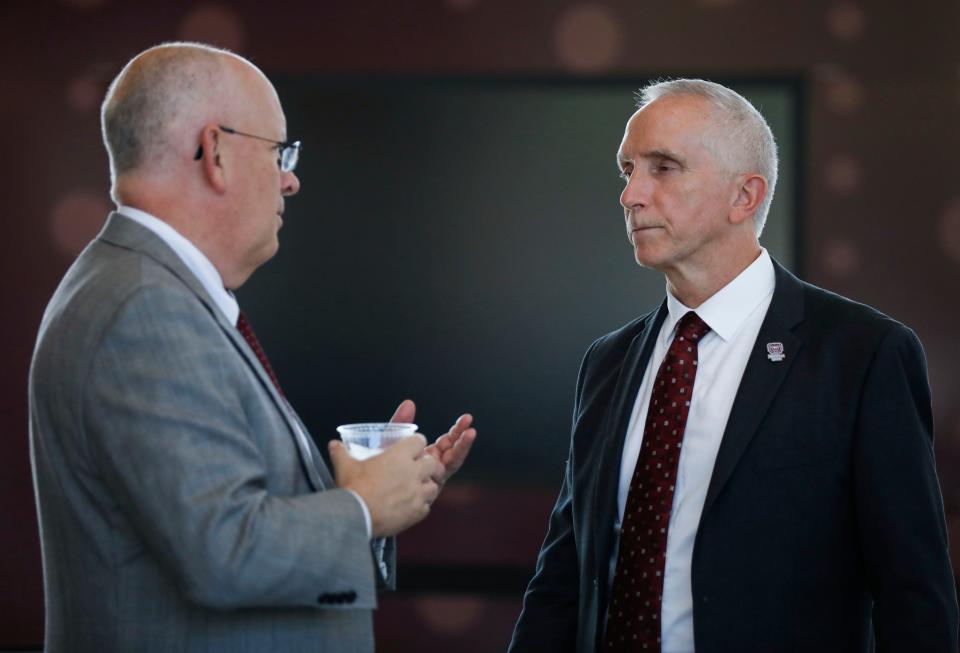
[
  {"x": 154, "y": 96},
  {"x": 748, "y": 144}
]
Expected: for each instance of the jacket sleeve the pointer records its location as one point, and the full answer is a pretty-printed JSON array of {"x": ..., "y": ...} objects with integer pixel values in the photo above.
[
  {"x": 165, "y": 416},
  {"x": 549, "y": 619},
  {"x": 899, "y": 506}
]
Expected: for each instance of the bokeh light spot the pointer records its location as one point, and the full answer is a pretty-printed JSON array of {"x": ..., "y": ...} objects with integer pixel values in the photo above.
[
  {"x": 949, "y": 230},
  {"x": 841, "y": 92},
  {"x": 843, "y": 174},
  {"x": 846, "y": 21},
  {"x": 452, "y": 614},
  {"x": 588, "y": 38},
  {"x": 214, "y": 24},
  {"x": 841, "y": 257},
  {"x": 84, "y": 93},
  {"x": 461, "y": 495},
  {"x": 76, "y": 218}
]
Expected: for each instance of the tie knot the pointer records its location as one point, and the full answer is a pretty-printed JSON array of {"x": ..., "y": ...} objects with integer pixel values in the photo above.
[{"x": 691, "y": 327}]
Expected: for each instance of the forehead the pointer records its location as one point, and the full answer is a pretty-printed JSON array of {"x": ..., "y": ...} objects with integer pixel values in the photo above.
[
  {"x": 676, "y": 124},
  {"x": 257, "y": 97}
]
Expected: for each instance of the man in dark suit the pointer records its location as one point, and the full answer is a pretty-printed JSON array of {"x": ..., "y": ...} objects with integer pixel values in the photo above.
[
  {"x": 183, "y": 505},
  {"x": 751, "y": 466}
]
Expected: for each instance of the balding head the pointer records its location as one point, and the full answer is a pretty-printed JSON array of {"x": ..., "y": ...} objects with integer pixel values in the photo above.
[
  {"x": 154, "y": 110},
  {"x": 194, "y": 136}
]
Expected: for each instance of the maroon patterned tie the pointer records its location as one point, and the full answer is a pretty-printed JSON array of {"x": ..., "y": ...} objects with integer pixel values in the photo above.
[
  {"x": 243, "y": 326},
  {"x": 633, "y": 616}
]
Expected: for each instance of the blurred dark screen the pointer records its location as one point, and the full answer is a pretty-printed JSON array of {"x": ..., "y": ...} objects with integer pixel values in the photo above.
[{"x": 460, "y": 243}]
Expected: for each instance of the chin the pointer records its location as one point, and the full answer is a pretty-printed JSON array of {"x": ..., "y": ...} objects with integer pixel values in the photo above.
[
  {"x": 646, "y": 258},
  {"x": 268, "y": 252}
]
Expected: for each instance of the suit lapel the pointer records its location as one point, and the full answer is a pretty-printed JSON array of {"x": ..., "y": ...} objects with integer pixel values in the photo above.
[
  {"x": 309, "y": 457},
  {"x": 762, "y": 378},
  {"x": 127, "y": 233},
  {"x": 614, "y": 430}
]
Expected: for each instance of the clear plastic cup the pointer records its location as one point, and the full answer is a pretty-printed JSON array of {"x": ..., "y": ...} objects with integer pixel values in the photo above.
[{"x": 370, "y": 438}]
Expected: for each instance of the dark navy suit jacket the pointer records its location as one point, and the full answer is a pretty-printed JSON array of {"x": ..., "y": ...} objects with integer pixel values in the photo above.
[{"x": 823, "y": 526}]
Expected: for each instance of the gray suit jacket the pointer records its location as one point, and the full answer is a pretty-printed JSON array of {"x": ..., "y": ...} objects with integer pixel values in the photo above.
[{"x": 178, "y": 511}]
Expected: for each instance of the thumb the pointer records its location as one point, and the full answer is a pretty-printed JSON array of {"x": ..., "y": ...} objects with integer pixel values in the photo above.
[
  {"x": 411, "y": 446},
  {"x": 339, "y": 455},
  {"x": 406, "y": 412}
]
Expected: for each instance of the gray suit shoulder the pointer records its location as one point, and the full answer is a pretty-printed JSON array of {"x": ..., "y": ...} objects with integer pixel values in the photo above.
[{"x": 102, "y": 280}]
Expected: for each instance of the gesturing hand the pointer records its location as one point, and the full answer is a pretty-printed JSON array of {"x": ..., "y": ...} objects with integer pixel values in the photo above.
[{"x": 452, "y": 447}]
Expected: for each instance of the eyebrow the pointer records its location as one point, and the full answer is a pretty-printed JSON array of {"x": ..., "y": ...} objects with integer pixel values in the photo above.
[{"x": 654, "y": 154}]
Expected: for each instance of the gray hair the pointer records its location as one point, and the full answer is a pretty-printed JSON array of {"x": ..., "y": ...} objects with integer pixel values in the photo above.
[
  {"x": 747, "y": 144},
  {"x": 155, "y": 96}
]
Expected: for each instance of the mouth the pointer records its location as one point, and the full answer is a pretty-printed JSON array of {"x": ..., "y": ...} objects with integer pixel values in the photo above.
[{"x": 643, "y": 229}]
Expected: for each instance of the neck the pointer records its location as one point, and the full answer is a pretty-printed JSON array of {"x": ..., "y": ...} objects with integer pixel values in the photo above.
[
  {"x": 196, "y": 223},
  {"x": 696, "y": 284}
]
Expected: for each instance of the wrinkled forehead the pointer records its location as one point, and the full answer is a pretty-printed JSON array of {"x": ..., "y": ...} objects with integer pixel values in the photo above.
[
  {"x": 682, "y": 124},
  {"x": 670, "y": 117}
]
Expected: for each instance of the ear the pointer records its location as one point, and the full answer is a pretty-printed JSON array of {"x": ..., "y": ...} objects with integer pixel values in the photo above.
[
  {"x": 211, "y": 160},
  {"x": 751, "y": 189}
]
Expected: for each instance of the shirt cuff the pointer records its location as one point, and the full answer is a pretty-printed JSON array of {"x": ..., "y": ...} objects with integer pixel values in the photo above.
[{"x": 366, "y": 513}]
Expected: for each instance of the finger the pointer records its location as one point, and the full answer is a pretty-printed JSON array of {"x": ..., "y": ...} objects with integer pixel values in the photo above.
[
  {"x": 434, "y": 451},
  {"x": 432, "y": 490},
  {"x": 454, "y": 459},
  {"x": 411, "y": 446},
  {"x": 339, "y": 455},
  {"x": 449, "y": 439},
  {"x": 405, "y": 412},
  {"x": 463, "y": 422},
  {"x": 431, "y": 467},
  {"x": 443, "y": 443}
]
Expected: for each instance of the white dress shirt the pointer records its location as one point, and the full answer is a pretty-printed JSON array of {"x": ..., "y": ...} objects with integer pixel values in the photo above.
[
  {"x": 734, "y": 315},
  {"x": 212, "y": 282}
]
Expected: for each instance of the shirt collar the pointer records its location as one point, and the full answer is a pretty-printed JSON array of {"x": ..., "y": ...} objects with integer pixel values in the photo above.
[
  {"x": 192, "y": 257},
  {"x": 727, "y": 309}
]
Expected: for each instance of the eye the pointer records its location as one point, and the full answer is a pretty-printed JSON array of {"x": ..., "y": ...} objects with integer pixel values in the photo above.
[
  {"x": 625, "y": 173},
  {"x": 664, "y": 166}
]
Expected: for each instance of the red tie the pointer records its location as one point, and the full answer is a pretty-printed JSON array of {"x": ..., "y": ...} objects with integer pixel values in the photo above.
[
  {"x": 243, "y": 326},
  {"x": 633, "y": 616}
]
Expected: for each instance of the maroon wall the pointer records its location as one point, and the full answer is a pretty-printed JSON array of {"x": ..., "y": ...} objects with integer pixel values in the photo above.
[{"x": 881, "y": 209}]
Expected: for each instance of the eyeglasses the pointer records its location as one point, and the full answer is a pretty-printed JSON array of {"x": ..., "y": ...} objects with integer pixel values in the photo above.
[{"x": 289, "y": 152}]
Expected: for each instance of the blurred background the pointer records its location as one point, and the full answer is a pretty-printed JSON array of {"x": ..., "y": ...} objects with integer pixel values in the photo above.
[{"x": 458, "y": 240}]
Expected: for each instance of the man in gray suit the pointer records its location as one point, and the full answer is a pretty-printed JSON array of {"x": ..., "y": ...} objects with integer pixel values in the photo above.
[{"x": 182, "y": 504}]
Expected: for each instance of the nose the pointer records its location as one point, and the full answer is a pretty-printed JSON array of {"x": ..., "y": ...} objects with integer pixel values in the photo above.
[
  {"x": 290, "y": 184},
  {"x": 635, "y": 194}
]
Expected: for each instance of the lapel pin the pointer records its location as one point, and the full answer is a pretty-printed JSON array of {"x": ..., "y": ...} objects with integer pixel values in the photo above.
[{"x": 775, "y": 351}]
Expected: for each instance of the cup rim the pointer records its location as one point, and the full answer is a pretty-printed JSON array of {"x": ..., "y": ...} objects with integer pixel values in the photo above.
[{"x": 377, "y": 427}]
